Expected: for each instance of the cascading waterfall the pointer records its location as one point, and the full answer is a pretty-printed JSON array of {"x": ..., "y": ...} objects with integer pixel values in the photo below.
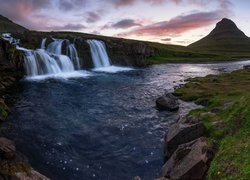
[
  {"x": 43, "y": 43},
  {"x": 39, "y": 62},
  {"x": 55, "y": 47},
  {"x": 50, "y": 61},
  {"x": 99, "y": 54},
  {"x": 72, "y": 53}
]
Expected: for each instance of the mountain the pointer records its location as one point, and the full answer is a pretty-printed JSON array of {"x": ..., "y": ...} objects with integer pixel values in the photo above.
[
  {"x": 225, "y": 37},
  {"x": 7, "y": 25}
]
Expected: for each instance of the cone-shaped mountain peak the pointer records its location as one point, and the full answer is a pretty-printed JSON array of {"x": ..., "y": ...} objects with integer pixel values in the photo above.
[
  {"x": 226, "y": 35},
  {"x": 227, "y": 26}
]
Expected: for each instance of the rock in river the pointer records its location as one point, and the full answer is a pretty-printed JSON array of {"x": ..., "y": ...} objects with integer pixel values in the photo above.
[{"x": 167, "y": 102}]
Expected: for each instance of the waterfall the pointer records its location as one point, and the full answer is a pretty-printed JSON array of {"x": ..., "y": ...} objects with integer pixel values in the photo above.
[
  {"x": 43, "y": 43},
  {"x": 50, "y": 61},
  {"x": 99, "y": 54},
  {"x": 72, "y": 53},
  {"x": 55, "y": 47},
  {"x": 39, "y": 62}
]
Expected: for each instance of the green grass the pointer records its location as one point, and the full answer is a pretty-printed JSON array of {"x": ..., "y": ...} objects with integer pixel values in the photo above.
[{"x": 227, "y": 118}]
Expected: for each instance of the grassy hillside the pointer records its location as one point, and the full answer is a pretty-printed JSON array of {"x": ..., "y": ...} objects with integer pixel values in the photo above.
[
  {"x": 7, "y": 25},
  {"x": 227, "y": 118},
  {"x": 225, "y": 42},
  {"x": 163, "y": 53},
  {"x": 225, "y": 39}
]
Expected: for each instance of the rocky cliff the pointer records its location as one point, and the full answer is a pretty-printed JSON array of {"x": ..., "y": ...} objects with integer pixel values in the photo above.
[{"x": 122, "y": 52}]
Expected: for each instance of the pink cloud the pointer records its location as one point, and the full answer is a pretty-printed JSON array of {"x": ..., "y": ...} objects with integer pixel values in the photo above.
[{"x": 177, "y": 25}]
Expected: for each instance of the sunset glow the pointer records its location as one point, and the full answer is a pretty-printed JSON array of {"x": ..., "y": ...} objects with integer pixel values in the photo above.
[{"x": 166, "y": 21}]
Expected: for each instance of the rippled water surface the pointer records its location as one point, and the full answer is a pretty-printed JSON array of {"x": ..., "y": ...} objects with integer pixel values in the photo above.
[{"x": 102, "y": 126}]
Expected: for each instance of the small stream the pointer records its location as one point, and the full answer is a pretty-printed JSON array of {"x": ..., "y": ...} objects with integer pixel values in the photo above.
[{"x": 103, "y": 126}]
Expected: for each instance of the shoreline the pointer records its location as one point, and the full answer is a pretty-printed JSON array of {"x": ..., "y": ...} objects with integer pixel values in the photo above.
[
  {"x": 13, "y": 164},
  {"x": 201, "y": 141},
  {"x": 213, "y": 128}
]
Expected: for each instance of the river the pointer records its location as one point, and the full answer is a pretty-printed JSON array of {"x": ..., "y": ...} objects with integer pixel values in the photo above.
[{"x": 103, "y": 125}]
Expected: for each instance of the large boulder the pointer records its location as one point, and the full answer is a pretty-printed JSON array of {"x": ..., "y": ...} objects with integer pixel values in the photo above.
[
  {"x": 189, "y": 161},
  {"x": 167, "y": 102},
  {"x": 180, "y": 133},
  {"x": 7, "y": 148}
]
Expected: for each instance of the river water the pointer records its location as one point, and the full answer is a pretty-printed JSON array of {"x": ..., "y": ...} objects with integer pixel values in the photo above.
[{"x": 102, "y": 126}]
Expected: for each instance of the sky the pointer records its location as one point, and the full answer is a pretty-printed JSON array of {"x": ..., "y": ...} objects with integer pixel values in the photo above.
[{"x": 166, "y": 21}]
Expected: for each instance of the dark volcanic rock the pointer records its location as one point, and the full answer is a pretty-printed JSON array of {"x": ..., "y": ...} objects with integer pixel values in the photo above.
[
  {"x": 189, "y": 161},
  {"x": 14, "y": 165},
  {"x": 181, "y": 133},
  {"x": 167, "y": 102},
  {"x": 31, "y": 175},
  {"x": 7, "y": 148}
]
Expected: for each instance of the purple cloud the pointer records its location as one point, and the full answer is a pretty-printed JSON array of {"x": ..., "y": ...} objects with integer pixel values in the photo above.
[
  {"x": 177, "y": 25},
  {"x": 73, "y": 27},
  {"x": 93, "y": 17},
  {"x": 124, "y": 24}
]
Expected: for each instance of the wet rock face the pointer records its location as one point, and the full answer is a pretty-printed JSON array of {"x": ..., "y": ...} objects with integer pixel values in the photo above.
[
  {"x": 7, "y": 148},
  {"x": 10, "y": 59},
  {"x": 129, "y": 54},
  {"x": 14, "y": 165},
  {"x": 189, "y": 161},
  {"x": 32, "y": 175},
  {"x": 167, "y": 102}
]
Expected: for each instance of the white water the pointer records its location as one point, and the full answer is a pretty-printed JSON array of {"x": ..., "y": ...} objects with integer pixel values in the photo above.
[
  {"x": 99, "y": 54},
  {"x": 43, "y": 43},
  {"x": 51, "y": 63},
  {"x": 55, "y": 47},
  {"x": 72, "y": 53},
  {"x": 100, "y": 58}
]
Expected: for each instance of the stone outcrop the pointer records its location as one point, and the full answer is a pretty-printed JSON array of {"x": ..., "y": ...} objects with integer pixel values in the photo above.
[
  {"x": 126, "y": 53},
  {"x": 181, "y": 133},
  {"x": 189, "y": 161},
  {"x": 7, "y": 148},
  {"x": 167, "y": 102},
  {"x": 187, "y": 152},
  {"x": 14, "y": 165},
  {"x": 32, "y": 175}
]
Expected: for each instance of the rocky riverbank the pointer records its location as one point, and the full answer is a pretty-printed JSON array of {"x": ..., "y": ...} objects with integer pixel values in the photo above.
[
  {"x": 13, "y": 164},
  {"x": 212, "y": 142},
  {"x": 187, "y": 151}
]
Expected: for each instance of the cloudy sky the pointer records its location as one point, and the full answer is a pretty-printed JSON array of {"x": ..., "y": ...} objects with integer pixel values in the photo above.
[{"x": 166, "y": 21}]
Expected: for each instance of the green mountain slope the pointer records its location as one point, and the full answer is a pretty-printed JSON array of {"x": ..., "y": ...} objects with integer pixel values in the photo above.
[
  {"x": 224, "y": 38},
  {"x": 7, "y": 25}
]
